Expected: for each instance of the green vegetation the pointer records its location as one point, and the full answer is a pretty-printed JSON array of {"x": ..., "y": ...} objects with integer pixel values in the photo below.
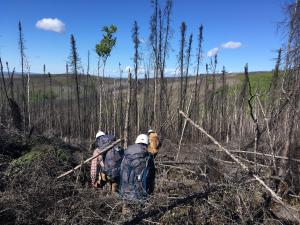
[
  {"x": 260, "y": 81},
  {"x": 38, "y": 96},
  {"x": 104, "y": 48},
  {"x": 36, "y": 153}
]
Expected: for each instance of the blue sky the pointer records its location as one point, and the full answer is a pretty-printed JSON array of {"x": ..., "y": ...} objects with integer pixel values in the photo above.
[{"x": 251, "y": 23}]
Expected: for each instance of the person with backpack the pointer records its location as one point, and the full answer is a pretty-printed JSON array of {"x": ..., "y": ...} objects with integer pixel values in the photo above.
[
  {"x": 106, "y": 167},
  {"x": 137, "y": 170},
  {"x": 154, "y": 142}
]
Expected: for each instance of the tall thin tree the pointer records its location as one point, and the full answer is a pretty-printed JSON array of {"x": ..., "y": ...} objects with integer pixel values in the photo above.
[
  {"x": 197, "y": 82},
  {"x": 181, "y": 62},
  {"x": 22, "y": 57},
  {"x": 136, "y": 42},
  {"x": 103, "y": 50},
  {"x": 127, "y": 116},
  {"x": 74, "y": 62}
]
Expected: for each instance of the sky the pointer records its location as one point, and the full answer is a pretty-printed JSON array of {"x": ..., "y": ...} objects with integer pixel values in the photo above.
[{"x": 239, "y": 31}]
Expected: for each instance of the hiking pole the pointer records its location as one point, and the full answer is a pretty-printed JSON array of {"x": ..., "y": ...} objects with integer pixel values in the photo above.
[{"x": 91, "y": 158}]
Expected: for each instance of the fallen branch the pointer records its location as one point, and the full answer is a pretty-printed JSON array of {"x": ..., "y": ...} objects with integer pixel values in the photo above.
[
  {"x": 2, "y": 125},
  {"x": 244, "y": 167},
  {"x": 258, "y": 153},
  {"x": 267, "y": 155},
  {"x": 89, "y": 159},
  {"x": 187, "y": 162},
  {"x": 149, "y": 221},
  {"x": 222, "y": 161},
  {"x": 251, "y": 162},
  {"x": 176, "y": 167}
]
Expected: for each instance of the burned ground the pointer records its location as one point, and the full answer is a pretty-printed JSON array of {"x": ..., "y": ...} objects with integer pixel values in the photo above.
[{"x": 203, "y": 187}]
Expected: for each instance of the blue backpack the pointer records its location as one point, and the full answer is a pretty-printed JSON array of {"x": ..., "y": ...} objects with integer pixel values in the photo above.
[
  {"x": 112, "y": 162},
  {"x": 137, "y": 173},
  {"x": 104, "y": 141},
  {"x": 111, "y": 159}
]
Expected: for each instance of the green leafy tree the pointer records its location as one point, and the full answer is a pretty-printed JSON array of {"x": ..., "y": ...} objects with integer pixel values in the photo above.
[
  {"x": 105, "y": 46},
  {"x": 103, "y": 50}
]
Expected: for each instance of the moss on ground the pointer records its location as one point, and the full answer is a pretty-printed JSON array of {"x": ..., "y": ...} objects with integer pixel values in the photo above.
[{"x": 37, "y": 153}]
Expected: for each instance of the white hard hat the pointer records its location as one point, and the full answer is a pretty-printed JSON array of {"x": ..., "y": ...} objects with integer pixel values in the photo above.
[
  {"x": 100, "y": 133},
  {"x": 142, "y": 139},
  {"x": 150, "y": 131}
]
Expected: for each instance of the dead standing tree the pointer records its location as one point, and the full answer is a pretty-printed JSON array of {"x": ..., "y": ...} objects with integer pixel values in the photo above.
[
  {"x": 127, "y": 116},
  {"x": 293, "y": 31},
  {"x": 120, "y": 100},
  {"x": 212, "y": 97},
  {"x": 22, "y": 56},
  {"x": 154, "y": 47},
  {"x": 11, "y": 81},
  {"x": 68, "y": 130},
  {"x": 74, "y": 62},
  {"x": 181, "y": 60},
  {"x": 223, "y": 115},
  {"x": 165, "y": 29},
  {"x": 159, "y": 42},
  {"x": 196, "y": 107},
  {"x": 44, "y": 114},
  {"x": 28, "y": 92},
  {"x": 51, "y": 109},
  {"x": 291, "y": 92},
  {"x": 186, "y": 82},
  {"x": 14, "y": 107},
  {"x": 136, "y": 42},
  {"x": 241, "y": 103},
  {"x": 206, "y": 117}
]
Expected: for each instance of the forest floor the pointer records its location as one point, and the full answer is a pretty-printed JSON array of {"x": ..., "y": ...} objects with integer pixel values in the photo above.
[{"x": 204, "y": 186}]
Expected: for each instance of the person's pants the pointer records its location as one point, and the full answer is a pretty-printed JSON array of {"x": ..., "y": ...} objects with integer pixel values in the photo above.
[
  {"x": 103, "y": 179},
  {"x": 114, "y": 187}
]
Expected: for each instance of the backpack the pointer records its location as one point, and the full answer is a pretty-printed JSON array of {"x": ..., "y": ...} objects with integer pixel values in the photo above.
[
  {"x": 137, "y": 172},
  {"x": 111, "y": 159},
  {"x": 104, "y": 141},
  {"x": 112, "y": 162}
]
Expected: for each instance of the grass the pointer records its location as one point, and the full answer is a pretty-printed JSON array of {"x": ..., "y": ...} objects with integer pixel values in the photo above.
[{"x": 259, "y": 81}]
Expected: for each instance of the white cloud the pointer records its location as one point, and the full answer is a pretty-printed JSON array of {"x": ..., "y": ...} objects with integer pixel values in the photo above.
[
  {"x": 50, "y": 24},
  {"x": 232, "y": 44},
  {"x": 128, "y": 68},
  {"x": 141, "y": 70},
  {"x": 212, "y": 52}
]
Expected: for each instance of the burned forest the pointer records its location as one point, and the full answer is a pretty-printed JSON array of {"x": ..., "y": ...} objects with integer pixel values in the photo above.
[{"x": 230, "y": 141}]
